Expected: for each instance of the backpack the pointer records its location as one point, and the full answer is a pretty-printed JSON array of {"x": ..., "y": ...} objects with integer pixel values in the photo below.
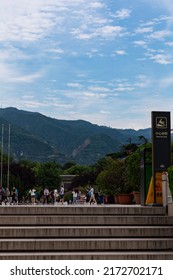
[{"x": 89, "y": 193}]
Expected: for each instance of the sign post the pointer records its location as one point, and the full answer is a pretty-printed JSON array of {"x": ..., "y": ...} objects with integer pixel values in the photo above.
[{"x": 161, "y": 146}]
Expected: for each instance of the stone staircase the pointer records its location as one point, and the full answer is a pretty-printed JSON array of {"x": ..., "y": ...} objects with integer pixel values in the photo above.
[{"x": 78, "y": 232}]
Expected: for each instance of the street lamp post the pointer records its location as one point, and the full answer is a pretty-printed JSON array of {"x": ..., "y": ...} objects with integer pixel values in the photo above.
[
  {"x": 2, "y": 147},
  {"x": 8, "y": 171}
]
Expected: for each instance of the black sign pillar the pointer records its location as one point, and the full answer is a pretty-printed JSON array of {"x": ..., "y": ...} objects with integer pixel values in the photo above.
[{"x": 161, "y": 143}]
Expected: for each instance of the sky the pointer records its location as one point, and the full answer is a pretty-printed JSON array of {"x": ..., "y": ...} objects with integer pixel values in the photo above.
[{"x": 109, "y": 62}]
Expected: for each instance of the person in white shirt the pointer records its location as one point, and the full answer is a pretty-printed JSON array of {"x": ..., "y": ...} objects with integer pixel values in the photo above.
[
  {"x": 32, "y": 193},
  {"x": 62, "y": 194},
  {"x": 75, "y": 195}
]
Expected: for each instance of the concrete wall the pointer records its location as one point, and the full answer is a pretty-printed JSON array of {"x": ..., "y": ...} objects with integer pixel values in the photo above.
[{"x": 170, "y": 209}]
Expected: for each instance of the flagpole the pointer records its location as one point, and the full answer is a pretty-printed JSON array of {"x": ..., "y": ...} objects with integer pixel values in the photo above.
[
  {"x": 2, "y": 144},
  {"x": 2, "y": 147},
  {"x": 8, "y": 171}
]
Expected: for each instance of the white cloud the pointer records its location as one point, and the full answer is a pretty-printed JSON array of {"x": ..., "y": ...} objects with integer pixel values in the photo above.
[
  {"x": 87, "y": 96},
  {"x": 32, "y": 104},
  {"x": 62, "y": 105},
  {"x": 122, "y": 14},
  {"x": 26, "y": 78},
  {"x": 143, "y": 81},
  {"x": 105, "y": 112},
  {"x": 144, "y": 30},
  {"x": 159, "y": 35},
  {"x": 93, "y": 95},
  {"x": 162, "y": 58},
  {"x": 148, "y": 23},
  {"x": 110, "y": 29},
  {"x": 75, "y": 85},
  {"x": 140, "y": 43},
  {"x": 33, "y": 33},
  {"x": 107, "y": 32},
  {"x": 33, "y": 20},
  {"x": 84, "y": 36},
  {"x": 123, "y": 88},
  {"x": 28, "y": 23},
  {"x": 46, "y": 102},
  {"x": 120, "y": 52},
  {"x": 96, "y": 5},
  {"x": 169, "y": 44},
  {"x": 99, "y": 89},
  {"x": 58, "y": 50},
  {"x": 6, "y": 71},
  {"x": 12, "y": 54}
]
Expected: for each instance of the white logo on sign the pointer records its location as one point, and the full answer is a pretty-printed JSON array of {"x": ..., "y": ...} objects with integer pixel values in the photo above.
[{"x": 161, "y": 122}]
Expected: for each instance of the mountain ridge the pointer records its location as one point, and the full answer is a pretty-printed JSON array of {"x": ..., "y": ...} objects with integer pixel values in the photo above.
[{"x": 37, "y": 137}]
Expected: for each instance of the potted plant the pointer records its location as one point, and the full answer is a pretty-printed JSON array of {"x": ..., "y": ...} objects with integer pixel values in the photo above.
[
  {"x": 125, "y": 195},
  {"x": 137, "y": 197}
]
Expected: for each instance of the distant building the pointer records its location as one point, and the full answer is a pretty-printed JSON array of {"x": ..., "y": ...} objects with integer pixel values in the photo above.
[{"x": 67, "y": 180}]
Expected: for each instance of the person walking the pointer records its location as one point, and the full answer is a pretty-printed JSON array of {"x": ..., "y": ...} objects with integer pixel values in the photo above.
[
  {"x": 62, "y": 194},
  {"x": 46, "y": 195},
  {"x": 14, "y": 196},
  {"x": 56, "y": 196},
  {"x": 52, "y": 196},
  {"x": 75, "y": 196},
  {"x": 2, "y": 194},
  {"x": 7, "y": 196},
  {"x": 92, "y": 197},
  {"x": 32, "y": 193}
]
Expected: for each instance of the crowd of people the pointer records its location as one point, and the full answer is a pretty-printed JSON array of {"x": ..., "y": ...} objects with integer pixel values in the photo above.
[
  {"x": 47, "y": 196},
  {"x": 9, "y": 197}
]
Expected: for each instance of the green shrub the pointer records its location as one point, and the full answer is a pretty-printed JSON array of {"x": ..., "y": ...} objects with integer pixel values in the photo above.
[
  {"x": 170, "y": 174},
  {"x": 111, "y": 180}
]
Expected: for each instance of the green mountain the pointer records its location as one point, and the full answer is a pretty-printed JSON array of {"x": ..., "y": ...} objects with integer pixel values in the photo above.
[{"x": 36, "y": 137}]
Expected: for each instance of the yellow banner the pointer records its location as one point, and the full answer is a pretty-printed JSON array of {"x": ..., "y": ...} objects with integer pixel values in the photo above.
[{"x": 158, "y": 188}]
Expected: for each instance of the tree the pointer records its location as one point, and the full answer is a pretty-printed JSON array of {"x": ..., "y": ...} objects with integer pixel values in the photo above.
[
  {"x": 77, "y": 170},
  {"x": 22, "y": 177},
  {"x": 101, "y": 164},
  {"x": 111, "y": 181},
  {"x": 128, "y": 149},
  {"x": 68, "y": 165},
  {"x": 143, "y": 139},
  {"x": 132, "y": 170},
  {"x": 84, "y": 175},
  {"x": 49, "y": 175}
]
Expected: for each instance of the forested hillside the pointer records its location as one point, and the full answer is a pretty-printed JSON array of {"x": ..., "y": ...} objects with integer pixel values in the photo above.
[{"x": 36, "y": 137}]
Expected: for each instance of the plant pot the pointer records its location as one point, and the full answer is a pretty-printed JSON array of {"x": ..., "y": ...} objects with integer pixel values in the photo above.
[
  {"x": 137, "y": 197},
  {"x": 125, "y": 198},
  {"x": 116, "y": 199}
]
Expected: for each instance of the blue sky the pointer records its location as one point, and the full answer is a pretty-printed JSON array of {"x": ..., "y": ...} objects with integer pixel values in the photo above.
[{"x": 109, "y": 62}]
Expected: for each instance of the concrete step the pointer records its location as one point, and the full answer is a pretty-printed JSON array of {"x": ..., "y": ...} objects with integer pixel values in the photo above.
[
  {"x": 93, "y": 210},
  {"x": 49, "y": 220},
  {"x": 85, "y": 244},
  {"x": 83, "y": 231},
  {"x": 102, "y": 255}
]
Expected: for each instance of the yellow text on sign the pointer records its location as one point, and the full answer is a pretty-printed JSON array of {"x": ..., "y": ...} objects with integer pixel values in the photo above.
[{"x": 158, "y": 189}]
